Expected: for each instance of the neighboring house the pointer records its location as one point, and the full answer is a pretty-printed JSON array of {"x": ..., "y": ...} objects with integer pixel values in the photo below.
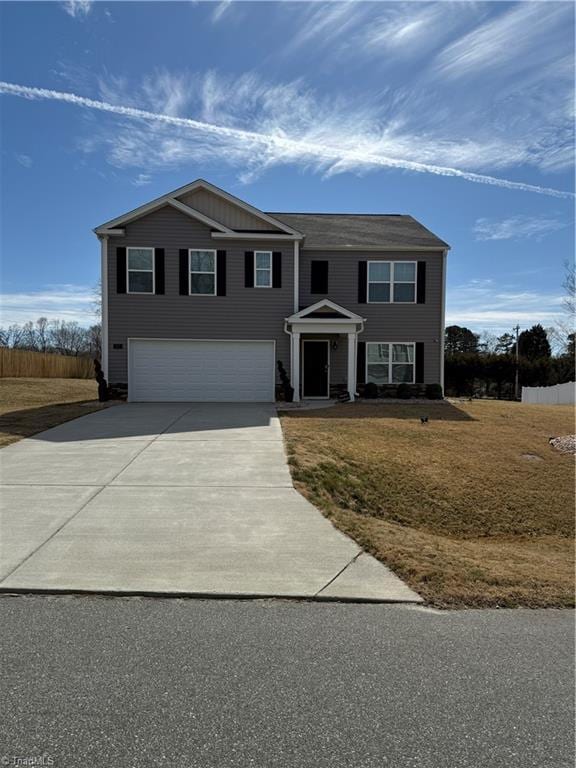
[{"x": 203, "y": 294}]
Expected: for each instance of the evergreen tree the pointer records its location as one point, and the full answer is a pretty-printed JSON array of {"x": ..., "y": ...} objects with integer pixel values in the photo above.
[
  {"x": 460, "y": 340},
  {"x": 533, "y": 344},
  {"x": 505, "y": 344}
]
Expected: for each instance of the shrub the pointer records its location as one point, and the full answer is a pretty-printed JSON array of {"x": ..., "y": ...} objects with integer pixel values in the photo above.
[
  {"x": 434, "y": 392},
  {"x": 404, "y": 391},
  {"x": 371, "y": 390},
  {"x": 287, "y": 389}
]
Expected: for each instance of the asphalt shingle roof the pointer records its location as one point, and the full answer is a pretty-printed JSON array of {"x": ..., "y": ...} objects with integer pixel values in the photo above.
[{"x": 358, "y": 229}]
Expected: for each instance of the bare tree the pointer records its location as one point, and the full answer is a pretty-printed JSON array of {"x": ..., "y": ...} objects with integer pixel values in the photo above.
[
  {"x": 97, "y": 303},
  {"x": 64, "y": 337},
  {"x": 564, "y": 325},
  {"x": 558, "y": 338},
  {"x": 28, "y": 338},
  {"x": 569, "y": 285},
  {"x": 42, "y": 334},
  {"x": 68, "y": 338},
  {"x": 94, "y": 341},
  {"x": 12, "y": 336},
  {"x": 487, "y": 343}
]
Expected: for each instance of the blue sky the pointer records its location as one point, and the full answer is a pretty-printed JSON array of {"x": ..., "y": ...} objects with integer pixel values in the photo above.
[{"x": 460, "y": 114}]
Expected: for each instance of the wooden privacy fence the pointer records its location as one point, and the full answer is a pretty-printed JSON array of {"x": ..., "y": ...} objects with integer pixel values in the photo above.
[
  {"x": 559, "y": 394},
  {"x": 21, "y": 363}
]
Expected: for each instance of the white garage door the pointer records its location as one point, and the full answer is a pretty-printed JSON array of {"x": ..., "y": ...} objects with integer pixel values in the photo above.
[{"x": 201, "y": 371}]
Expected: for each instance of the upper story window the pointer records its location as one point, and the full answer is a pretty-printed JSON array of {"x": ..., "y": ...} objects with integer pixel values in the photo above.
[
  {"x": 203, "y": 272},
  {"x": 140, "y": 270},
  {"x": 392, "y": 282},
  {"x": 389, "y": 363},
  {"x": 319, "y": 277},
  {"x": 262, "y": 269}
]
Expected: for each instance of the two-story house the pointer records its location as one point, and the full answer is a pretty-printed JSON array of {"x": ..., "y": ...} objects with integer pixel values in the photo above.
[{"x": 202, "y": 294}]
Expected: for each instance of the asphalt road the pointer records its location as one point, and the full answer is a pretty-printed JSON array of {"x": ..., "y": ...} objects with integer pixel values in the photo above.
[{"x": 122, "y": 682}]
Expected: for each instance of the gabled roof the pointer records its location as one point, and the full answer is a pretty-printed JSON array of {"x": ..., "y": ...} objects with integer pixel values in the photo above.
[
  {"x": 171, "y": 199},
  {"x": 334, "y": 231},
  {"x": 358, "y": 230},
  {"x": 328, "y": 309}
]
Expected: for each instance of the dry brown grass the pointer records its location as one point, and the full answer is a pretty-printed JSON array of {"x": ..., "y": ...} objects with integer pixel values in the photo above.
[
  {"x": 28, "y": 406},
  {"x": 454, "y": 507},
  {"x": 29, "y": 364}
]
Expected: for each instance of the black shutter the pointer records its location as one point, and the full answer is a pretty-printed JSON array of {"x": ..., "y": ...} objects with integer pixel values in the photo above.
[
  {"x": 221, "y": 273},
  {"x": 120, "y": 270},
  {"x": 249, "y": 269},
  {"x": 319, "y": 277},
  {"x": 184, "y": 273},
  {"x": 419, "y": 362},
  {"x": 421, "y": 283},
  {"x": 276, "y": 269},
  {"x": 361, "y": 363},
  {"x": 159, "y": 270},
  {"x": 362, "y": 280}
]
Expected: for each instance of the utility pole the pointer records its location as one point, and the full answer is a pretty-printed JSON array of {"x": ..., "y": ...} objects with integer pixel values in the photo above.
[{"x": 517, "y": 328}]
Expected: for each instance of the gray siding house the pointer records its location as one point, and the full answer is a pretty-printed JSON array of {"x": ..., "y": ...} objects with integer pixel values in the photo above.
[{"x": 203, "y": 294}]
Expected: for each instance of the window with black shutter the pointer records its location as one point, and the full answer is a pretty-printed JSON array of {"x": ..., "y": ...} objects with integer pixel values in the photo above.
[{"x": 319, "y": 277}]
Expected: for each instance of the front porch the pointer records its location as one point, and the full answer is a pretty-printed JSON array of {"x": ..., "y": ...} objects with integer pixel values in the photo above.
[{"x": 323, "y": 350}]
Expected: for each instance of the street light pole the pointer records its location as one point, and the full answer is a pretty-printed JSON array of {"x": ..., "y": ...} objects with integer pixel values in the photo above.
[{"x": 517, "y": 328}]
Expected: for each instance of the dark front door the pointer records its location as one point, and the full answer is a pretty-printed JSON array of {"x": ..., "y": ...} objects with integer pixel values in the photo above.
[{"x": 315, "y": 368}]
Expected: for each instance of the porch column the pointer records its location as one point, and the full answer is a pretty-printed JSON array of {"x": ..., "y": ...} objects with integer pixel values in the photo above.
[
  {"x": 295, "y": 360},
  {"x": 351, "y": 365}
]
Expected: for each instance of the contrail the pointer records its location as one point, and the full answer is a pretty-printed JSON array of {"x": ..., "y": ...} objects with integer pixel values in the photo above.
[{"x": 283, "y": 144}]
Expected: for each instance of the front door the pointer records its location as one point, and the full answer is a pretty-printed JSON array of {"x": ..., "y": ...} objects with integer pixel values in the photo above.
[{"x": 315, "y": 368}]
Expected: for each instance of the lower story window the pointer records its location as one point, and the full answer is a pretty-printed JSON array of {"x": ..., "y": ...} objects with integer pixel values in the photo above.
[
  {"x": 389, "y": 363},
  {"x": 203, "y": 273}
]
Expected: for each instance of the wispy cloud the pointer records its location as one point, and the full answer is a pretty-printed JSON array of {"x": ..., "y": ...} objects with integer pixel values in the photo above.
[
  {"x": 325, "y": 22},
  {"x": 487, "y": 305},
  {"x": 142, "y": 179},
  {"x": 67, "y": 302},
  {"x": 412, "y": 30},
  {"x": 510, "y": 40},
  {"x": 220, "y": 10},
  {"x": 494, "y": 78},
  {"x": 291, "y": 131},
  {"x": 78, "y": 9},
  {"x": 24, "y": 160},
  {"x": 516, "y": 228}
]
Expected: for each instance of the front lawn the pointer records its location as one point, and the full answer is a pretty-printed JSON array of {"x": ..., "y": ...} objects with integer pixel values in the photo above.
[
  {"x": 472, "y": 509},
  {"x": 28, "y": 406}
]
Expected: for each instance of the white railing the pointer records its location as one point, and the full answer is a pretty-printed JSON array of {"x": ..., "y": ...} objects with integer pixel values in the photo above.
[{"x": 559, "y": 394}]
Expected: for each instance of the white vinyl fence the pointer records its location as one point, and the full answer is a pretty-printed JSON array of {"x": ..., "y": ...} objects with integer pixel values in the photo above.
[{"x": 559, "y": 394}]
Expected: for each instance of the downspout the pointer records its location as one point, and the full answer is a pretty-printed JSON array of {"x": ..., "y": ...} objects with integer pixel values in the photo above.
[
  {"x": 292, "y": 361},
  {"x": 443, "y": 318},
  {"x": 296, "y": 275},
  {"x": 104, "y": 301},
  {"x": 361, "y": 330}
]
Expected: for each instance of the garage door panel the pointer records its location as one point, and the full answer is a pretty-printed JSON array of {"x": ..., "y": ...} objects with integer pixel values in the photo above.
[{"x": 202, "y": 371}]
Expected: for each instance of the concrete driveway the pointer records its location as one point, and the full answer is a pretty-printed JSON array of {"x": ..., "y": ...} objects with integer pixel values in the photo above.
[{"x": 174, "y": 498}]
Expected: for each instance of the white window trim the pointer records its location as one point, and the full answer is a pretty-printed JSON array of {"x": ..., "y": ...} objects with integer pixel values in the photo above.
[
  {"x": 153, "y": 270},
  {"x": 190, "y": 273},
  {"x": 269, "y": 270},
  {"x": 391, "y": 282},
  {"x": 390, "y": 363}
]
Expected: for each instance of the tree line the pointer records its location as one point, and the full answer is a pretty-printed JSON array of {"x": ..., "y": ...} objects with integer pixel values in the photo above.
[
  {"x": 63, "y": 337},
  {"x": 488, "y": 367},
  {"x": 474, "y": 365}
]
